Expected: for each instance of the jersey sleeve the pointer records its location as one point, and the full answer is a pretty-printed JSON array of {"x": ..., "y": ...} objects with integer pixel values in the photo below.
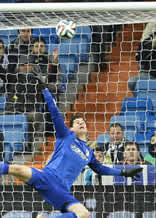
[
  {"x": 58, "y": 121},
  {"x": 97, "y": 167}
]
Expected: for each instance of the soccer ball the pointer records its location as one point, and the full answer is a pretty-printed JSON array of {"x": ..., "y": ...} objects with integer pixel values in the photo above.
[{"x": 66, "y": 29}]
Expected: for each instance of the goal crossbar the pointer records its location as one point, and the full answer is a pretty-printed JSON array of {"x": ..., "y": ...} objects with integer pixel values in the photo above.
[
  {"x": 84, "y": 6},
  {"x": 33, "y": 15}
]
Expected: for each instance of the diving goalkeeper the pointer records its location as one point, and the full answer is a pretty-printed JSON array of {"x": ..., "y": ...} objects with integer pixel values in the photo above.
[{"x": 70, "y": 157}]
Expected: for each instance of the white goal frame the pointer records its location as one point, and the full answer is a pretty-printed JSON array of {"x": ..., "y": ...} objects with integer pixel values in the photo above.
[
  {"x": 70, "y": 11},
  {"x": 82, "y": 6}
]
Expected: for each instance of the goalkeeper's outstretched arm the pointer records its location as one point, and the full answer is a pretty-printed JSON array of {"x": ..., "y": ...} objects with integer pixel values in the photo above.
[{"x": 97, "y": 167}]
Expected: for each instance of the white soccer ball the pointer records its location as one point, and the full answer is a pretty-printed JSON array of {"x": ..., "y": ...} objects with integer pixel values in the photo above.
[{"x": 66, "y": 29}]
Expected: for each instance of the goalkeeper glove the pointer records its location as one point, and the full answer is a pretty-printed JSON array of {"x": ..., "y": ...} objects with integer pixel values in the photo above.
[
  {"x": 134, "y": 173},
  {"x": 43, "y": 85},
  {"x": 41, "y": 80}
]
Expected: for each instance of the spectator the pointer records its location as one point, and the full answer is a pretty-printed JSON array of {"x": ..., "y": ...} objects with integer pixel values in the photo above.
[
  {"x": 91, "y": 178},
  {"x": 21, "y": 45},
  {"x": 148, "y": 30},
  {"x": 45, "y": 65},
  {"x": 132, "y": 155},
  {"x": 146, "y": 58},
  {"x": 151, "y": 156},
  {"x": 115, "y": 148},
  {"x": 3, "y": 67},
  {"x": 24, "y": 96}
]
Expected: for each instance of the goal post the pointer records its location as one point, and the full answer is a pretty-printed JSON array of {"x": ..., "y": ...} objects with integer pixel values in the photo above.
[{"x": 93, "y": 71}]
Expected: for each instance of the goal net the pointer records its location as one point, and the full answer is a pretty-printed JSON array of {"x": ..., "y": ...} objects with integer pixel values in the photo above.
[{"x": 105, "y": 73}]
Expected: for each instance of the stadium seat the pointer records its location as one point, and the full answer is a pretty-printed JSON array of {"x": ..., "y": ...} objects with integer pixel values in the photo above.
[
  {"x": 48, "y": 34},
  {"x": 68, "y": 61},
  {"x": 69, "y": 49},
  {"x": 15, "y": 130},
  {"x": 102, "y": 139},
  {"x": 129, "y": 123},
  {"x": 121, "y": 214},
  {"x": 138, "y": 107},
  {"x": 147, "y": 88},
  {"x": 151, "y": 124},
  {"x": 81, "y": 39},
  {"x": 68, "y": 67},
  {"x": 149, "y": 214},
  {"x": 53, "y": 37},
  {"x": 143, "y": 139},
  {"x": 8, "y": 35},
  {"x": 141, "y": 109},
  {"x": 3, "y": 103},
  {"x": 136, "y": 104}
]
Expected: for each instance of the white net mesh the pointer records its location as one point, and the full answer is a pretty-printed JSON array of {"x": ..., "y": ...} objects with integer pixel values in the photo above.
[{"x": 91, "y": 78}]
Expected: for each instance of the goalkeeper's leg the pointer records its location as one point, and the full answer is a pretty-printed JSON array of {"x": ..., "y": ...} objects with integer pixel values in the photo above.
[
  {"x": 75, "y": 211},
  {"x": 24, "y": 173}
]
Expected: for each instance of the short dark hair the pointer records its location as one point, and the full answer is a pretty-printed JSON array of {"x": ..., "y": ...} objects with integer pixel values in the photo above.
[
  {"x": 2, "y": 42},
  {"x": 74, "y": 117},
  {"x": 25, "y": 29},
  {"x": 39, "y": 39},
  {"x": 116, "y": 125},
  {"x": 132, "y": 143},
  {"x": 152, "y": 136},
  {"x": 99, "y": 149}
]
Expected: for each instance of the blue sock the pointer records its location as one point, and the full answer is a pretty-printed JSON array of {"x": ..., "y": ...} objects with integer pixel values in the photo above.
[
  {"x": 4, "y": 168},
  {"x": 67, "y": 215}
]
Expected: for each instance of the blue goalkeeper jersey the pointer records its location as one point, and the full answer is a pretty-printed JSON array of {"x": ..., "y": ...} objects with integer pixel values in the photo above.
[{"x": 71, "y": 154}]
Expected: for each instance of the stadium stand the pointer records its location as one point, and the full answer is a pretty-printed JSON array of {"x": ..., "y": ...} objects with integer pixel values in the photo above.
[
  {"x": 135, "y": 116},
  {"x": 142, "y": 109},
  {"x": 49, "y": 34},
  {"x": 136, "y": 104},
  {"x": 3, "y": 103},
  {"x": 82, "y": 39},
  {"x": 147, "y": 88},
  {"x": 8, "y": 35},
  {"x": 102, "y": 139},
  {"x": 15, "y": 130}
]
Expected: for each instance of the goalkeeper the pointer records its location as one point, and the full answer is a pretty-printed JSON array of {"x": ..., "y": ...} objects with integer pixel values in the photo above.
[{"x": 70, "y": 157}]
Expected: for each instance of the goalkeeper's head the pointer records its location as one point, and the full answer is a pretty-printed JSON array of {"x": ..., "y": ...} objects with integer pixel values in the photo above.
[{"x": 78, "y": 125}]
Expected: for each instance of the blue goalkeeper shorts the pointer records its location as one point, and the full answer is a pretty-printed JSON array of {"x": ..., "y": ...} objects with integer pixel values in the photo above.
[{"x": 51, "y": 190}]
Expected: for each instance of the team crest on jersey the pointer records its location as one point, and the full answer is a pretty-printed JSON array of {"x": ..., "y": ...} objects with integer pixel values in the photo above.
[{"x": 79, "y": 152}]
